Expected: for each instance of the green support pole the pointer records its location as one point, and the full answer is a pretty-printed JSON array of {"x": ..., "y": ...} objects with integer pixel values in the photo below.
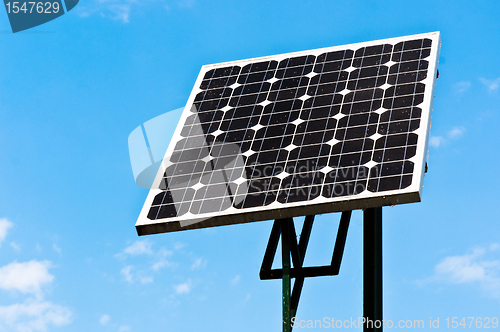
[
  {"x": 372, "y": 270},
  {"x": 285, "y": 253}
]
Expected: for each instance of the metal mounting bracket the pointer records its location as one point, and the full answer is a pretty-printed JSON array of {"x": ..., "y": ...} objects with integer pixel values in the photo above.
[{"x": 286, "y": 229}]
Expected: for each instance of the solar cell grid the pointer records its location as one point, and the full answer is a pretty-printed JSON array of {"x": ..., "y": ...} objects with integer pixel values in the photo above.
[{"x": 318, "y": 127}]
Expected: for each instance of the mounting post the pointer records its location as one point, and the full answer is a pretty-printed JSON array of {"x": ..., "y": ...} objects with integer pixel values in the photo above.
[
  {"x": 372, "y": 270},
  {"x": 285, "y": 257}
]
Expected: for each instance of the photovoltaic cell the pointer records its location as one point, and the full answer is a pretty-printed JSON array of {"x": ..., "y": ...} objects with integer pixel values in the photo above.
[{"x": 303, "y": 133}]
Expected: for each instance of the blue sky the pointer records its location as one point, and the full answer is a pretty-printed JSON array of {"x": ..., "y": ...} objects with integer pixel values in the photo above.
[{"x": 72, "y": 90}]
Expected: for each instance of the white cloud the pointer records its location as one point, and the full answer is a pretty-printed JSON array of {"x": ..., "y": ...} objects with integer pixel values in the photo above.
[
  {"x": 461, "y": 269},
  {"x": 162, "y": 261},
  {"x": 82, "y": 13},
  {"x": 114, "y": 9},
  {"x": 179, "y": 245},
  {"x": 131, "y": 277},
  {"x": 165, "y": 253},
  {"x": 15, "y": 246},
  {"x": 124, "y": 328},
  {"x": 26, "y": 277},
  {"x": 491, "y": 85},
  {"x": 472, "y": 268},
  {"x": 453, "y": 134},
  {"x": 161, "y": 264},
  {"x": 139, "y": 247},
  {"x": 145, "y": 279},
  {"x": 5, "y": 225},
  {"x": 104, "y": 319},
  {"x": 235, "y": 280},
  {"x": 157, "y": 261},
  {"x": 435, "y": 141},
  {"x": 33, "y": 315},
  {"x": 456, "y": 132},
  {"x": 127, "y": 273},
  {"x": 121, "y": 10},
  {"x": 56, "y": 248},
  {"x": 183, "y": 288},
  {"x": 199, "y": 263},
  {"x": 461, "y": 87}
]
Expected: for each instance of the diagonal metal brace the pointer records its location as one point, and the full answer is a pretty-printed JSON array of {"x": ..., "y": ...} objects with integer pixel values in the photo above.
[{"x": 298, "y": 271}]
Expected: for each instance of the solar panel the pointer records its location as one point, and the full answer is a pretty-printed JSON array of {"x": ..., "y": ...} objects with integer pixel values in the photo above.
[{"x": 310, "y": 132}]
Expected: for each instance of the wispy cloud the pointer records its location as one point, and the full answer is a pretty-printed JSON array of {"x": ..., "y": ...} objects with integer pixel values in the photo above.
[
  {"x": 5, "y": 225},
  {"x": 235, "y": 280},
  {"x": 158, "y": 260},
  {"x": 452, "y": 134},
  {"x": 56, "y": 248},
  {"x": 435, "y": 141},
  {"x": 127, "y": 273},
  {"x": 183, "y": 288},
  {"x": 118, "y": 10},
  {"x": 139, "y": 247},
  {"x": 33, "y": 315},
  {"x": 491, "y": 85},
  {"x": 145, "y": 279},
  {"x": 142, "y": 261},
  {"x": 131, "y": 276},
  {"x": 15, "y": 246},
  {"x": 463, "y": 269},
  {"x": 179, "y": 245},
  {"x": 461, "y": 87},
  {"x": 481, "y": 267},
  {"x": 199, "y": 263},
  {"x": 104, "y": 319},
  {"x": 162, "y": 263},
  {"x": 456, "y": 132},
  {"x": 121, "y": 10}
]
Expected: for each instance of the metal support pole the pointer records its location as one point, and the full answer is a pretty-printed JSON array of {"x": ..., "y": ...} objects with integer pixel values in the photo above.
[
  {"x": 372, "y": 270},
  {"x": 298, "y": 253},
  {"x": 285, "y": 257}
]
